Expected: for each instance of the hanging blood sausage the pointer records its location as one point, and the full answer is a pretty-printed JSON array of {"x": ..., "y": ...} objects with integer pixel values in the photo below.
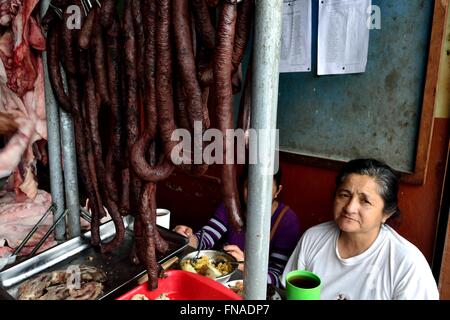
[{"x": 222, "y": 75}]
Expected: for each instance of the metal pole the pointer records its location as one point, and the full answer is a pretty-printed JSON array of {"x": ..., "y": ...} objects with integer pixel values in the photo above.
[
  {"x": 263, "y": 118},
  {"x": 53, "y": 140},
  {"x": 70, "y": 175}
]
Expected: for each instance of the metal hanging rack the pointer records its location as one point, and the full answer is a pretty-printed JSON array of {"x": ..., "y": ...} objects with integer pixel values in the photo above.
[{"x": 61, "y": 148}]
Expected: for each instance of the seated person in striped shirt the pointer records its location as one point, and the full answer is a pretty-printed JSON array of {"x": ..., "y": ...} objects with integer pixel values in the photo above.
[{"x": 284, "y": 235}]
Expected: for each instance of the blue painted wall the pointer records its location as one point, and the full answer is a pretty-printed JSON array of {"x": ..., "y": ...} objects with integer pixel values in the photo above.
[{"x": 373, "y": 114}]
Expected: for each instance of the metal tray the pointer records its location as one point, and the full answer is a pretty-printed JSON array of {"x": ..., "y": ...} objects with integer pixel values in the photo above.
[{"x": 117, "y": 265}]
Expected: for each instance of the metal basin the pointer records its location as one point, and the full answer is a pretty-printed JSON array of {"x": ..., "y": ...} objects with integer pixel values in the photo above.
[
  {"x": 214, "y": 256},
  {"x": 121, "y": 273}
]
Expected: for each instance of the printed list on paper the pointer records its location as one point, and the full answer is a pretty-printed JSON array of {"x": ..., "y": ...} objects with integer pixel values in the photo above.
[
  {"x": 296, "y": 36},
  {"x": 343, "y": 36}
]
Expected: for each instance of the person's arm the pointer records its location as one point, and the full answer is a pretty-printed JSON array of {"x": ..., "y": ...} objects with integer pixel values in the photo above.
[
  {"x": 187, "y": 232},
  {"x": 282, "y": 245},
  {"x": 415, "y": 280},
  {"x": 214, "y": 230}
]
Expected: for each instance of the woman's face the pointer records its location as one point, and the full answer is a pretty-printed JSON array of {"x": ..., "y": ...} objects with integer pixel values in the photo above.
[
  {"x": 274, "y": 190},
  {"x": 358, "y": 206}
]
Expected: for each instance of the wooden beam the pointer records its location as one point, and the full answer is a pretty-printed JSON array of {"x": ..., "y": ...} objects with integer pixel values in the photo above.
[
  {"x": 444, "y": 273},
  {"x": 437, "y": 43}
]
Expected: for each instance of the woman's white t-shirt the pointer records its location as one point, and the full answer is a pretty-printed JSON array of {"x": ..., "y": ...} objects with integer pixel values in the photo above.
[{"x": 391, "y": 268}]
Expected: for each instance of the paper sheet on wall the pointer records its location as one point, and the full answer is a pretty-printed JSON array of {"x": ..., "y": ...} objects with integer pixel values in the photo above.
[
  {"x": 343, "y": 36},
  {"x": 295, "y": 53}
]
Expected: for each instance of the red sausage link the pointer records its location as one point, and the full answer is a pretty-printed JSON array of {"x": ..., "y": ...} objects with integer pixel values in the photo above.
[
  {"x": 99, "y": 66},
  {"x": 164, "y": 94},
  {"x": 222, "y": 74},
  {"x": 245, "y": 105},
  {"x": 149, "y": 231},
  {"x": 203, "y": 23},
  {"x": 142, "y": 168},
  {"x": 54, "y": 69},
  {"x": 186, "y": 65},
  {"x": 82, "y": 159},
  {"x": 243, "y": 29},
  {"x": 92, "y": 105},
  {"x": 107, "y": 13},
  {"x": 149, "y": 20},
  {"x": 114, "y": 90},
  {"x": 84, "y": 39},
  {"x": 132, "y": 101}
]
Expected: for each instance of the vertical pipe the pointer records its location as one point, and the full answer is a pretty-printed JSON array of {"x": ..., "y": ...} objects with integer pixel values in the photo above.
[
  {"x": 54, "y": 151},
  {"x": 264, "y": 111},
  {"x": 70, "y": 174},
  {"x": 54, "y": 154}
]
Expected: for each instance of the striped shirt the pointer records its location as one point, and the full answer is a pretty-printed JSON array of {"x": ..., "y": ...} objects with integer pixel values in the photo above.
[{"x": 218, "y": 231}]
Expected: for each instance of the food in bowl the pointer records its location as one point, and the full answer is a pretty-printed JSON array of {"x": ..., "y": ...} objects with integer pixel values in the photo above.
[
  {"x": 163, "y": 296},
  {"x": 237, "y": 287},
  {"x": 210, "y": 263},
  {"x": 207, "y": 267},
  {"x": 139, "y": 296}
]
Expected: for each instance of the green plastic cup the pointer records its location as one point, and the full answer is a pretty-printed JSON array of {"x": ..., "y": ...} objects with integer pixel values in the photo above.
[{"x": 302, "y": 285}]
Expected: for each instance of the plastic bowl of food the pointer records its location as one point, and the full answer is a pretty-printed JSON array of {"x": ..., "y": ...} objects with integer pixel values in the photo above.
[
  {"x": 181, "y": 285},
  {"x": 217, "y": 265},
  {"x": 237, "y": 286}
]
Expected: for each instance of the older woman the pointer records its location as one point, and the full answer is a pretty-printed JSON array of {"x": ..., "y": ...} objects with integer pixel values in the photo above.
[{"x": 358, "y": 256}]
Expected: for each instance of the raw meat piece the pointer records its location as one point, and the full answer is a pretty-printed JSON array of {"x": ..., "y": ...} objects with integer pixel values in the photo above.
[
  {"x": 17, "y": 220},
  {"x": 22, "y": 91},
  {"x": 24, "y": 69}
]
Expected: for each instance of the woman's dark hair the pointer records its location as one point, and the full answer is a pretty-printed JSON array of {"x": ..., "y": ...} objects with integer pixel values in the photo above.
[
  {"x": 277, "y": 177},
  {"x": 385, "y": 176},
  {"x": 244, "y": 176}
]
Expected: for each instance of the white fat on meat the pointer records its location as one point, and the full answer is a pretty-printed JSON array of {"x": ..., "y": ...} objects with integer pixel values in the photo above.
[
  {"x": 22, "y": 93},
  {"x": 25, "y": 72},
  {"x": 11, "y": 154},
  {"x": 17, "y": 220},
  {"x": 8, "y": 10}
]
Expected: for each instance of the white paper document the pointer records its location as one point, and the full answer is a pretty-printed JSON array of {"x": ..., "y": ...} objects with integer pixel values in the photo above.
[
  {"x": 295, "y": 53},
  {"x": 343, "y": 36}
]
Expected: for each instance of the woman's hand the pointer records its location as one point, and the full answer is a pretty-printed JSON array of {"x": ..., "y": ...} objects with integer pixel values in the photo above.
[
  {"x": 237, "y": 253},
  {"x": 187, "y": 232}
]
